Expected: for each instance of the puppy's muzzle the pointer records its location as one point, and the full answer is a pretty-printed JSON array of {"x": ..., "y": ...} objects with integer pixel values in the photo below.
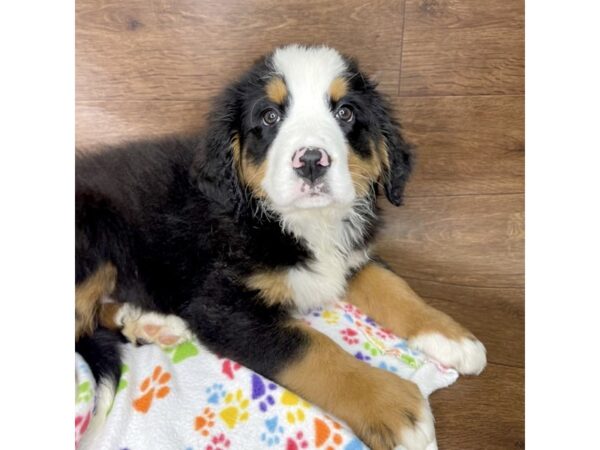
[{"x": 311, "y": 163}]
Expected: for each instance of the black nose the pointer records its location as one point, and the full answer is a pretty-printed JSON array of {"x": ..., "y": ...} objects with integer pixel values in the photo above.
[{"x": 311, "y": 163}]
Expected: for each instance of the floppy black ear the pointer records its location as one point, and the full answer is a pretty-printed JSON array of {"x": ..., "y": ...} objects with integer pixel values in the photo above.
[
  {"x": 400, "y": 155},
  {"x": 213, "y": 166}
]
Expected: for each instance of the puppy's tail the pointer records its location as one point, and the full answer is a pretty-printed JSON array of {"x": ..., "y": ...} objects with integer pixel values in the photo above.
[{"x": 102, "y": 352}]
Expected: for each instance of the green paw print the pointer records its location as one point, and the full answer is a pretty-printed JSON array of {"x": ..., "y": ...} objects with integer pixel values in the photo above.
[
  {"x": 371, "y": 349},
  {"x": 122, "y": 381},
  {"x": 84, "y": 392},
  {"x": 183, "y": 351},
  {"x": 410, "y": 361}
]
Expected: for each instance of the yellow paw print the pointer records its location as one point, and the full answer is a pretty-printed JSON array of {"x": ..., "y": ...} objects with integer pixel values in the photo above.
[
  {"x": 236, "y": 411},
  {"x": 296, "y": 407},
  {"x": 331, "y": 316}
]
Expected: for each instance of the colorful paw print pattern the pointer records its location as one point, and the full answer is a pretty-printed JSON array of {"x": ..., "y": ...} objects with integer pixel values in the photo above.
[
  {"x": 153, "y": 387},
  {"x": 205, "y": 421},
  {"x": 236, "y": 408},
  {"x": 187, "y": 398},
  {"x": 262, "y": 391},
  {"x": 85, "y": 387}
]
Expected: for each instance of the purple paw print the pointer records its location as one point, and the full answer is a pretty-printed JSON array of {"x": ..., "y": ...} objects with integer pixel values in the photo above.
[
  {"x": 370, "y": 321},
  {"x": 260, "y": 390},
  {"x": 362, "y": 356}
]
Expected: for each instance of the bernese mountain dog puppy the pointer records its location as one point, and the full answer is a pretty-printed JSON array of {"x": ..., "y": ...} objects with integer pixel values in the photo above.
[{"x": 272, "y": 209}]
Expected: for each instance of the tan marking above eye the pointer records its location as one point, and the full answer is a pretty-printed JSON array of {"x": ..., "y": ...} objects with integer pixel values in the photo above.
[
  {"x": 338, "y": 88},
  {"x": 276, "y": 90}
]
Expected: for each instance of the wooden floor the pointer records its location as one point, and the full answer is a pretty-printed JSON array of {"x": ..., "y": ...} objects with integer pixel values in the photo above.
[{"x": 455, "y": 72}]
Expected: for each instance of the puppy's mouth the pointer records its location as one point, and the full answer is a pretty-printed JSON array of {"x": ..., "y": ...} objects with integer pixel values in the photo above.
[{"x": 316, "y": 189}]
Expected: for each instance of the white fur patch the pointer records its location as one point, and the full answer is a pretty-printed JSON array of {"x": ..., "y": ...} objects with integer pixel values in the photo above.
[
  {"x": 309, "y": 122},
  {"x": 329, "y": 234},
  {"x": 468, "y": 356},
  {"x": 422, "y": 435},
  {"x": 165, "y": 330},
  {"x": 105, "y": 395}
]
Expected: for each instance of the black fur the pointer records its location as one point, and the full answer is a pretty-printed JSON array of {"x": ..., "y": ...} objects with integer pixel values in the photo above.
[
  {"x": 101, "y": 351},
  {"x": 174, "y": 218}
]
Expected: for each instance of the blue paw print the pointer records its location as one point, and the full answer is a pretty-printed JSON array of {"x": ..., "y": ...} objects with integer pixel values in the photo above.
[
  {"x": 404, "y": 346},
  {"x": 260, "y": 390},
  {"x": 215, "y": 393},
  {"x": 355, "y": 444},
  {"x": 274, "y": 432},
  {"x": 390, "y": 368}
]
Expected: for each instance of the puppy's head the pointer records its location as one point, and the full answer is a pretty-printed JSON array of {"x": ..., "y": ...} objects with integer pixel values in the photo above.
[{"x": 305, "y": 129}]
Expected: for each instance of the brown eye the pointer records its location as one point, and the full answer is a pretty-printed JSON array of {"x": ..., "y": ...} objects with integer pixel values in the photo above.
[
  {"x": 270, "y": 117},
  {"x": 345, "y": 114}
]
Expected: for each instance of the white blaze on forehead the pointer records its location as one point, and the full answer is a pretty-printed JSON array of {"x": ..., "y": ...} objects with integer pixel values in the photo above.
[
  {"x": 308, "y": 71},
  {"x": 307, "y": 122}
]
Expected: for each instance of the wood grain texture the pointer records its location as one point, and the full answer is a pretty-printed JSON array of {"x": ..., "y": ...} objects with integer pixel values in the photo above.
[
  {"x": 187, "y": 49},
  {"x": 463, "y": 47},
  {"x": 109, "y": 122},
  {"x": 465, "y": 145},
  {"x": 473, "y": 240},
  {"x": 483, "y": 412}
]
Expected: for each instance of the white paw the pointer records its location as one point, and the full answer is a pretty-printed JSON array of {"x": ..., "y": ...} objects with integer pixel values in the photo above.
[
  {"x": 466, "y": 355},
  {"x": 422, "y": 435},
  {"x": 151, "y": 327}
]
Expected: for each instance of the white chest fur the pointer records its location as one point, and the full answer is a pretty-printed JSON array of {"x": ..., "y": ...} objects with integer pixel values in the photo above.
[{"x": 330, "y": 240}]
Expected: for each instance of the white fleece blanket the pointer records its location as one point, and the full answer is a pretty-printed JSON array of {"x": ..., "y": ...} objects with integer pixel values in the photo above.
[{"x": 188, "y": 398}]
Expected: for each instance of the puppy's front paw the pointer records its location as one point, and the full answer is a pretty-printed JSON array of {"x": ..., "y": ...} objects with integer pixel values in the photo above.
[
  {"x": 466, "y": 354},
  {"x": 402, "y": 418},
  {"x": 422, "y": 434},
  {"x": 152, "y": 328}
]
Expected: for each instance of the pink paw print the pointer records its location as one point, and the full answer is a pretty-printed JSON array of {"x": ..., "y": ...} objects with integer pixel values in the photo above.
[
  {"x": 350, "y": 336},
  {"x": 297, "y": 442},
  {"x": 218, "y": 442},
  {"x": 384, "y": 333},
  {"x": 229, "y": 368},
  {"x": 352, "y": 310}
]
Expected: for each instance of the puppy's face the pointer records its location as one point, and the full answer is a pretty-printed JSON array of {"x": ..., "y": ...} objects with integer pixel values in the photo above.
[{"x": 310, "y": 131}]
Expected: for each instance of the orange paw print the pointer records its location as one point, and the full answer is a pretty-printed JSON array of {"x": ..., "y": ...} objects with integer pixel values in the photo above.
[
  {"x": 153, "y": 386},
  {"x": 327, "y": 435},
  {"x": 205, "y": 422}
]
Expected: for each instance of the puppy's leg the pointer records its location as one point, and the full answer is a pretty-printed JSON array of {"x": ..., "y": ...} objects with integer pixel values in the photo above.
[
  {"x": 388, "y": 299},
  {"x": 384, "y": 410},
  {"x": 140, "y": 326},
  {"x": 88, "y": 297}
]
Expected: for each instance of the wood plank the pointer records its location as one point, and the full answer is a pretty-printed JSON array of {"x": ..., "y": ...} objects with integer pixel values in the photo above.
[
  {"x": 463, "y": 47},
  {"x": 473, "y": 240},
  {"x": 483, "y": 412},
  {"x": 465, "y": 145},
  {"x": 188, "y": 49},
  {"x": 109, "y": 122}
]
